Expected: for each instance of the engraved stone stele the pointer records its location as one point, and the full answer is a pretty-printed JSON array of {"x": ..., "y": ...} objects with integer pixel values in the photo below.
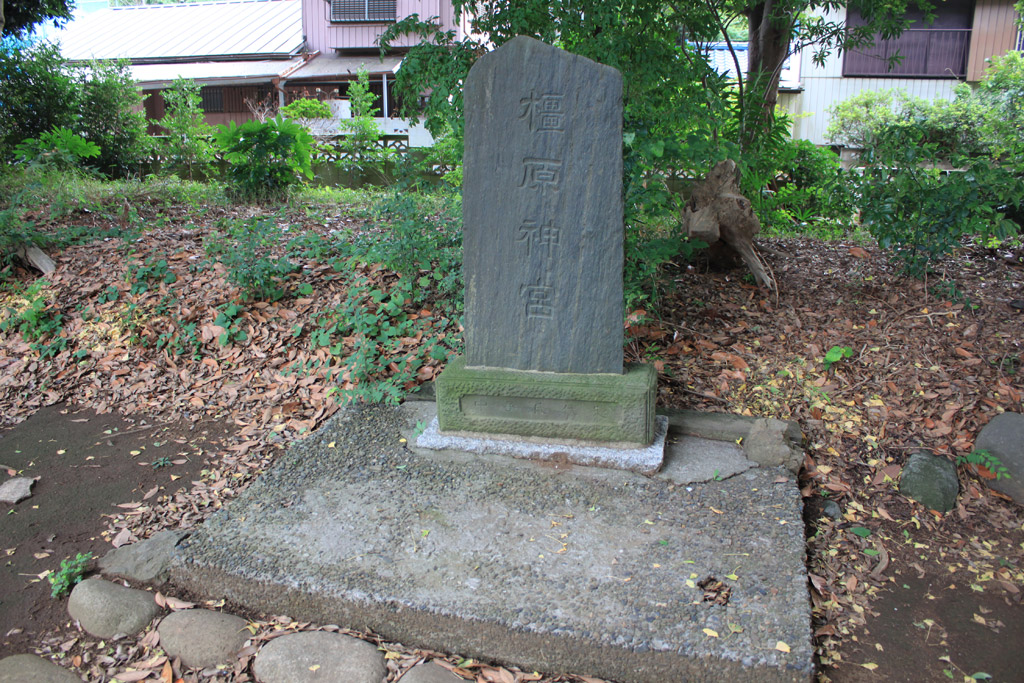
[{"x": 543, "y": 256}]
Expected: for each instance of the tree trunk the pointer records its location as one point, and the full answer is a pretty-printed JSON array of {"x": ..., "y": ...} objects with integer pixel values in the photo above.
[
  {"x": 1, "y": 17},
  {"x": 768, "y": 34},
  {"x": 718, "y": 211}
]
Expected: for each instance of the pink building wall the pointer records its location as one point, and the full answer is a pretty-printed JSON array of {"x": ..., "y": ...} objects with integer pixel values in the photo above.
[{"x": 324, "y": 36}]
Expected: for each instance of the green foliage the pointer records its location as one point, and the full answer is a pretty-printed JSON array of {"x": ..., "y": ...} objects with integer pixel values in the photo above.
[
  {"x": 306, "y": 108},
  {"x": 186, "y": 147},
  {"x": 953, "y": 127},
  {"x": 110, "y": 115},
  {"x": 987, "y": 460},
  {"x": 37, "y": 91},
  {"x": 152, "y": 271},
  {"x": 229, "y": 318},
  {"x": 835, "y": 355},
  {"x": 361, "y": 147},
  {"x": 1001, "y": 95},
  {"x": 420, "y": 239},
  {"x": 809, "y": 193},
  {"x": 38, "y": 320},
  {"x": 919, "y": 211},
  {"x": 417, "y": 241},
  {"x": 161, "y": 463},
  {"x": 246, "y": 248},
  {"x": 70, "y": 574},
  {"x": 266, "y": 158},
  {"x": 58, "y": 149}
]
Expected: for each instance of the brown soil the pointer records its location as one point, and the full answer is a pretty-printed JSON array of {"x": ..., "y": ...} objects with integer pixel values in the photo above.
[{"x": 84, "y": 465}]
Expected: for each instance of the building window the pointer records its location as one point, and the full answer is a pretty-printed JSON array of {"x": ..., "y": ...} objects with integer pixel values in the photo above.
[
  {"x": 212, "y": 99},
  {"x": 936, "y": 50},
  {"x": 363, "y": 10}
]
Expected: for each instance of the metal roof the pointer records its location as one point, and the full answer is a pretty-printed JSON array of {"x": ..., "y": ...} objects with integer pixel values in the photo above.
[
  {"x": 248, "y": 29},
  {"x": 155, "y": 76},
  {"x": 720, "y": 58},
  {"x": 331, "y": 66}
]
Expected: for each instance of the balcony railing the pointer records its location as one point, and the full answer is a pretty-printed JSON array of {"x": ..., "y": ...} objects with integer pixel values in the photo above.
[{"x": 924, "y": 52}]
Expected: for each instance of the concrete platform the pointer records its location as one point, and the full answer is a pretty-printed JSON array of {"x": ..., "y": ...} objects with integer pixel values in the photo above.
[
  {"x": 643, "y": 459},
  {"x": 549, "y": 566}
]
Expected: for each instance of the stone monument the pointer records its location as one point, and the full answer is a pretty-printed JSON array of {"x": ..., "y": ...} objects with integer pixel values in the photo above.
[{"x": 543, "y": 260}]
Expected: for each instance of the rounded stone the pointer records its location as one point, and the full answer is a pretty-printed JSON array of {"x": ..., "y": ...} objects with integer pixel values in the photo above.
[
  {"x": 429, "y": 672},
  {"x": 930, "y": 480},
  {"x": 23, "y": 668},
  {"x": 1003, "y": 437},
  {"x": 202, "y": 638},
  {"x": 318, "y": 656},
  {"x": 107, "y": 609},
  {"x": 145, "y": 561}
]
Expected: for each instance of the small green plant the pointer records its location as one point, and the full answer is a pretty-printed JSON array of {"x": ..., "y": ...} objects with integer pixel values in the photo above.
[
  {"x": 987, "y": 460},
  {"x": 837, "y": 354},
  {"x": 161, "y": 462},
  {"x": 180, "y": 339},
  {"x": 246, "y": 248},
  {"x": 39, "y": 321},
  {"x": 948, "y": 290},
  {"x": 228, "y": 318},
  {"x": 151, "y": 271},
  {"x": 111, "y": 293},
  {"x": 69, "y": 574}
]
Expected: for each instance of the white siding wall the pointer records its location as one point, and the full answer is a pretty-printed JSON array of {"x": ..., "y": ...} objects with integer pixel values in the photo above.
[{"x": 825, "y": 87}]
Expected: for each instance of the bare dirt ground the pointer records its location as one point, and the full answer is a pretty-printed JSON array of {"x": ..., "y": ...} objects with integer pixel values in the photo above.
[{"x": 930, "y": 363}]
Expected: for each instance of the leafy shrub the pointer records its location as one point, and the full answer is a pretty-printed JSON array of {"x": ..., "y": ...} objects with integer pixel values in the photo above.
[
  {"x": 38, "y": 92},
  {"x": 306, "y": 108},
  {"x": 187, "y": 148},
  {"x": 954, "y": 127},
  {"x": 919, "y": 211},
  {"x": 1001, "y": 93},
  {"x": 810, "y": 191},
  {"x": 58, "y": 148},
  {"x": 265, "y": 158},
  {"x": 111, "y": 116}
]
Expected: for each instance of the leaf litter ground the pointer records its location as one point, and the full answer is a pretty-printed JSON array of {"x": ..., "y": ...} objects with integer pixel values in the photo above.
[{"x": 929, "y": 364}]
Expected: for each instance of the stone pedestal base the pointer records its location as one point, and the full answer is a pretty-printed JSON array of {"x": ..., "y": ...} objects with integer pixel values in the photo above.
[{"x": 617, "y": 410}]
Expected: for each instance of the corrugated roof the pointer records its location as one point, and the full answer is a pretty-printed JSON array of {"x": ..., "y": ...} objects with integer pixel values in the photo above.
[
  {"x": 153, "y": 76},
  {"x": 720, "y": 59},
  {"x": 247, "y": 29},
  {"x": 329, "y": 66}
]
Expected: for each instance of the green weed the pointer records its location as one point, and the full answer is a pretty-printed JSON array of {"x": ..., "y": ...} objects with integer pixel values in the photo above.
[{"x": 69, "y": 574}]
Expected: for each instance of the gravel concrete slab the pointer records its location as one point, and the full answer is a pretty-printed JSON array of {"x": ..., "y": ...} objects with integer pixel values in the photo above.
[
  {"x": 549, "y": 567},
  {"x": 645, "y": 459}
]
